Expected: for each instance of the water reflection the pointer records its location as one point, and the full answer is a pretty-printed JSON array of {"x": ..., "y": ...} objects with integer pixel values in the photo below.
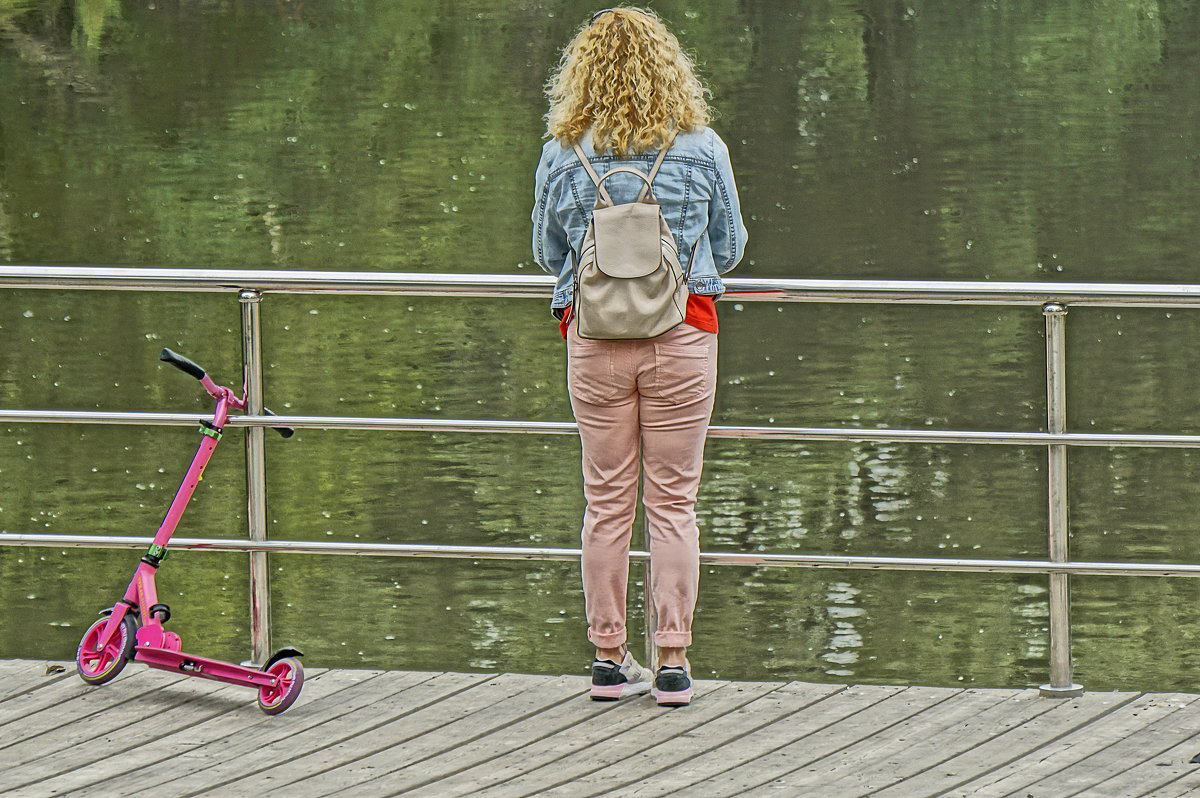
[{"x": 845, "y": 641}]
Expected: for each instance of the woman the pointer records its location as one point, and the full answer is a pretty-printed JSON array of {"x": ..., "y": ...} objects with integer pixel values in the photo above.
[{"x": 623, "y": 91}]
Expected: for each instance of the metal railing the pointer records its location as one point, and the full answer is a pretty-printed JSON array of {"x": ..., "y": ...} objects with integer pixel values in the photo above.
[{"x": 1052, "y": 298}]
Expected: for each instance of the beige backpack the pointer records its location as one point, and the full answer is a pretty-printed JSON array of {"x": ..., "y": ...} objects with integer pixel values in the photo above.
[{"x": 628, "y": 280}]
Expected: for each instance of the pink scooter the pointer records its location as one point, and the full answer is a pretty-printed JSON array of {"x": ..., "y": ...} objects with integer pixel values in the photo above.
[{"x": 133, "y": 627}]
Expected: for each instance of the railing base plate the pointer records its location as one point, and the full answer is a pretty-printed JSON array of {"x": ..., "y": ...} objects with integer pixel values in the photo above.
[{"x": 1070, "y": 691}]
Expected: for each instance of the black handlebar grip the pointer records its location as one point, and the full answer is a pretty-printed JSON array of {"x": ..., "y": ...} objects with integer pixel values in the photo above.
[
  {"x": 182, "y": 363},
  {"x": 286, "y": 432}
]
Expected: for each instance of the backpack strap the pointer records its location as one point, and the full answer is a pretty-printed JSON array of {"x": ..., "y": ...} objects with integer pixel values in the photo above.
[
  {"x": 587, "y": 165},
  {"x": 657, "y": 163}
]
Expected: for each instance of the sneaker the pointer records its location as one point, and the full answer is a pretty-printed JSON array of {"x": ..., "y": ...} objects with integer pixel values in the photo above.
[
  {"x": 673, "y": 686},
  {"x": 611, "y": 681}
]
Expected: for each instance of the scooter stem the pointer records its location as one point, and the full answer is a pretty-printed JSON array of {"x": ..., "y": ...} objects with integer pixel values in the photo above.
[{"x": 212, "y": 435}]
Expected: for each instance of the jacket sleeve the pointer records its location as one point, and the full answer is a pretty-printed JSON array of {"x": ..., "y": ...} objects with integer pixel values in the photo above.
[
  {"x": 726, "y": 233},
  {"x": 550, "y": 244}
]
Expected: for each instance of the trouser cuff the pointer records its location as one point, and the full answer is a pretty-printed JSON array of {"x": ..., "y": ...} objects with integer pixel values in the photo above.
[
  {"x": 673, "y": 639},
  {"x": 607, "y": 639}
]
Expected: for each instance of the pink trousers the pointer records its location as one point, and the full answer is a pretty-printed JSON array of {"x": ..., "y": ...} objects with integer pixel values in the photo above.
[{"x": 642, "y": 406}]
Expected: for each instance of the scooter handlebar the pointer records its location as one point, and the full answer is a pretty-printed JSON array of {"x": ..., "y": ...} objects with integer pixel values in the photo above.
[
  {"x": 188, "y": 367},
  {"x": 182, "y": 363},
  {"x": 286, "y": 432}
]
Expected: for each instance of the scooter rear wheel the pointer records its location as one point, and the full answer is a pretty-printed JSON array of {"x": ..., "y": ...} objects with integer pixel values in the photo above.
[
  {"x": 99, "y": 665},
  {"x": 274, "y": 700}
]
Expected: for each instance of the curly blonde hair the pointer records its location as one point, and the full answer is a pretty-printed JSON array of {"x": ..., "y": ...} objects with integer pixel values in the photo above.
[{"x": 626, "y": 78}]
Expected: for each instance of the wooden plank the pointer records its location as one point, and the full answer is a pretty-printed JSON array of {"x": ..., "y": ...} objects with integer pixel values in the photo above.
[
  {"x": 342, "y": 765},
  {"x": 804, "y": 717},
  {"x": 564, "y": 706},
  {"x": 1169, "y": 772},
  {"x": 902, "y": 749},
  {"x": 73, "y": 744},
  {"x": 35, "y": 696},
  {"x": 372, "y": 775},
  {"x": 162, "y": 759},
  {"x": 18, "y": 676},
  {"x": 567, "y": 775},
  {"x": 603, "y": 721},
  {"x": 1065, "y": 749},
  {"x": 145, "y": 715},
  {"x": 1140, "y": 762},
  {"x": 1186, "y": 786},
  {"x": 963, "y": 761},
  {"x": 554, "y": 719},
  {"x": 375, "y": 706},
  {"x": 1010, "y": 743},
  {"x": 71, "y": 701},
  {"x": 669, "y": 765},
  {"x": 9, "y": 667},
  {"x": 889, "y": 707}
]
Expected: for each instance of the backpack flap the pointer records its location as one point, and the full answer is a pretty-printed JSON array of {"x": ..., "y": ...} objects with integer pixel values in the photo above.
[{"x": 627, "y": 239}]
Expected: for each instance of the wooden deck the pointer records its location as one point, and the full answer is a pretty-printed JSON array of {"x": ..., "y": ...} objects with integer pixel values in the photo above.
[{"x": 373, "y": 733}]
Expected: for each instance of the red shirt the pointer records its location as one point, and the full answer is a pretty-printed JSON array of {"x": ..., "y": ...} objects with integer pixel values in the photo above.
[{"x": 701, "y": 313}]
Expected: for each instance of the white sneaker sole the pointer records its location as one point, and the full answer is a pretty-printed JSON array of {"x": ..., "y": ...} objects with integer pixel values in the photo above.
[{"x": 614, "y": 692}]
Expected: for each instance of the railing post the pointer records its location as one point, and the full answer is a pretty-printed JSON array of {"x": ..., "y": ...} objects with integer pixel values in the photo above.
[
  {"x": 651, "y": 660},
  {"x": 256, "y": 490},
  {"x": 1061, "y": 676}
]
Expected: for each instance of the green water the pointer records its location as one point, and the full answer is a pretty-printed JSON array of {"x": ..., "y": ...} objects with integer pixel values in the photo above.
[{"x": 1004, "y": 140}]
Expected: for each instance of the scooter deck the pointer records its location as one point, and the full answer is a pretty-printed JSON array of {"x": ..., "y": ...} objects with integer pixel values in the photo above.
[{"x": 205, "y": 668}]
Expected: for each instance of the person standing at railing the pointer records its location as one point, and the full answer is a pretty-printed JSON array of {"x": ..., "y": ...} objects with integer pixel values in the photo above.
[{"x": 623, "y": 91}]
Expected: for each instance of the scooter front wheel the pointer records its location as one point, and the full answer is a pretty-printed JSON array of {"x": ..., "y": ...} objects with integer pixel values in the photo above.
[
  {"x": 274, "y": 700},
  {"x": 98, "y": 665}
]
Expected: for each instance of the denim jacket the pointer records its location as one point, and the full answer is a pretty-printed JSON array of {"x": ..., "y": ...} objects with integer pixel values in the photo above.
[{"x": 694, "y": 187}]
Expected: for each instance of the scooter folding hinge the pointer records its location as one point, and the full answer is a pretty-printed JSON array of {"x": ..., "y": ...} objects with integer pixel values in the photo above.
[{"x": 155, "y": 555}]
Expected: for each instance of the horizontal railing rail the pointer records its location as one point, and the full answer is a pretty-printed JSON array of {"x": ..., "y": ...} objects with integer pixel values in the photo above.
[
  {"x": 499, "y": 426},
  {"x": 921, "y": 292},
  {"x": 250, "y": 286},
  {"x": 842, "y": 562}
]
